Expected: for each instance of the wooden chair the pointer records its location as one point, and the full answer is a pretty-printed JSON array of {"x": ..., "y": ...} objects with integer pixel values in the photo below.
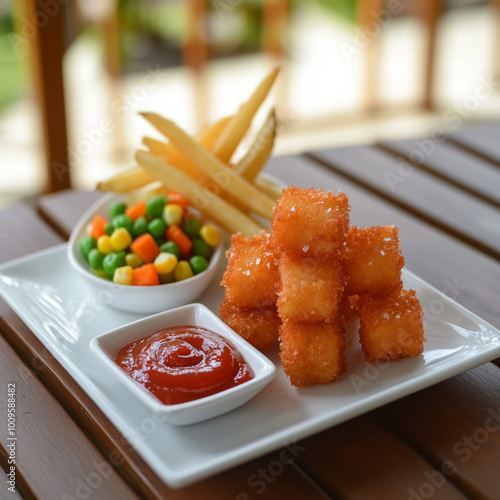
[
  {"x": 430, "y": 11},
  {"x": 43, "y": 23}
]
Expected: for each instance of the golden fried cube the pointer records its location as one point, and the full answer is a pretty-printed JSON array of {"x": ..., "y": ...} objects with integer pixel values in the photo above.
[
  {"x": 349, "y": 306},
  {"x": 391, "y": 327},
  {"x": 310, "y": 223},
  {"x": 310, "y": 289},
  {"x": 312, "y": 354},
  {"x": 259, "y": 327},
  {"x": 372, "y": 260},
  {"x": 251, "y": 276}
]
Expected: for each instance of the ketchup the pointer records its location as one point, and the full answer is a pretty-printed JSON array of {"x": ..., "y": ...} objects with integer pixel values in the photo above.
[{"x": 184, "y": 363}]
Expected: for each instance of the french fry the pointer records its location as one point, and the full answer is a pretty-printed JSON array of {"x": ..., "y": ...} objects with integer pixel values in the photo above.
[
  {"x": 258, "y": 153},
  {"x": 140, "y": 194},
  {"x": 176, "y": 157},
  {"x": 172, "y": 155},
  {"x": 126, "y": 181},
  {"x": 158, "y": 148},
  {"x": 227, "y": 180},
  {"x": 209, "y": 135},
  {"x": 201, "y": 198},
  {"x": 269, "y": 187},
  {"x": 232, "y": 134}
]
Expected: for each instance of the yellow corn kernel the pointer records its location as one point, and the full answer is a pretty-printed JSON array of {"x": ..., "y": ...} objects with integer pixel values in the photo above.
[
  {"x": 133, "y": 260},
  {"x": 183, "y": 271},
  {"x": 123, "y": 275},
  {"x": 104, "y": 244},
  {"x": 210, "y": 235},
  {"x": 120, "y": 239},
  {"x": 172, "y": 214},
  {"x": 166, "y": 278},
  {"x": 165, "y": 262}
]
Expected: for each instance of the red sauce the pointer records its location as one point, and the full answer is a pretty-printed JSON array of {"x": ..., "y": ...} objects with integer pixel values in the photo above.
[{"x": 184, "y": 363}]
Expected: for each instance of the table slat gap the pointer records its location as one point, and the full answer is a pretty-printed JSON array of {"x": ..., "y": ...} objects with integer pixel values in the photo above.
[
  {"x": 22, "y": 489},
  {"x": 386, "y": 147},
  {"x": 459, "y": 235},
  {"x": 473, "y": 151}
]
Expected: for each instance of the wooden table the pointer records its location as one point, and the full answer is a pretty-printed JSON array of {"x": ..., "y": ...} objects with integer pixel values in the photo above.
[{"x": 442, "y": 442}]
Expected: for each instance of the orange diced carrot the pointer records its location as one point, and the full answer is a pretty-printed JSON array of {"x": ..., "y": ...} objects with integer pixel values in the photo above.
[
  {"x": 175, "y": 197},
  {"x": 178, "y": 236},
  {"x": 145, "y": 247},
  {"x": 97, "y": 227},
  {"x": 137, "y": 210},
  {"x": 145, "y": 275}
]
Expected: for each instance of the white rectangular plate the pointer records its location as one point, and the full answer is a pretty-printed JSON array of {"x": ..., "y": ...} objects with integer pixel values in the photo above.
[{"x": 57, "y": 306}]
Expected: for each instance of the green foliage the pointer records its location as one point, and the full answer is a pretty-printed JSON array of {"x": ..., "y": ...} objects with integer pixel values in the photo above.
[{"x": 13, "y": 65}]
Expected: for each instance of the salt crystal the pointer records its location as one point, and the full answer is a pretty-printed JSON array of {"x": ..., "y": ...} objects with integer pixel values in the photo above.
[
  {"x": 305, "y": 248},
  {"x": 293, "y": 209},
  {"x": 246, "y": 273},
  {"x": 257, "y": 261},
  {"x": 382, "y": 252}
]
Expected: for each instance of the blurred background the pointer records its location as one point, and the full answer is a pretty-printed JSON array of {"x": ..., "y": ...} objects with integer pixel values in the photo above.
[{"x": 75, "y": 74}]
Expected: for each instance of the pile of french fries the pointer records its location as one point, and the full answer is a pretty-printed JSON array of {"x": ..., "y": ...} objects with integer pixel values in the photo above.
[{"x": 234, "y": 195}]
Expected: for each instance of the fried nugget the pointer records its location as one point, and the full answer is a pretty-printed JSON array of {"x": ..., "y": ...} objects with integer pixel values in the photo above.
[
  {"x": 349, "y": 306},
  {"x": 372, "y": 260},
  {"x": 312, "y": 354},
  {"x": 310, "y": 289},
  {"x": 259, "y": 327},
  {"x": 391, "y": 327},
  {"x": 251, "y": 276},
  {"x": 310, "y": 223}
]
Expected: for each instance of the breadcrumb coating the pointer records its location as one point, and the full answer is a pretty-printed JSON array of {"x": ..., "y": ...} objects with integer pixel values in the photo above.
[
  {"x": 259, "y": 327},
  {"x": 391, "y": 327},
  {"x": 310, "y": 222}
]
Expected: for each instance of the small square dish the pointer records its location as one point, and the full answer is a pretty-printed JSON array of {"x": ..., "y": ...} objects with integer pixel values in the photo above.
[{"x": 107, "y": 346}]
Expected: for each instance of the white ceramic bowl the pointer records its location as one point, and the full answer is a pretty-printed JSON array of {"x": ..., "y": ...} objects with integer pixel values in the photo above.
[
  {"x": 107, "y": 345},
  {"x": 137, "y": 299}
]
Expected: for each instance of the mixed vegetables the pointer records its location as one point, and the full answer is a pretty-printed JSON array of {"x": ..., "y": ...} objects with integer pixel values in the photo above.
[{"x": 154, "y": 241}]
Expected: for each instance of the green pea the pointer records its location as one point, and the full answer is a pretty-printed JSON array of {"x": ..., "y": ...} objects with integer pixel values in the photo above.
[
  {"x": 155, "y": 204},
  {"x": 109, "y": 228},
  {"x": 192, "y": 228},
  {"x": 171, "y": 247},
  {"x": 95, "y": 259},
  {"x": 157, "y": 228},
  {"x": 112, "y": 261},
  {"x": 123, "y": 220},
  {"x": 86, "y": 244},
  {"x": 201, "y": 248},
  {"x": 140, "y": 226},
  {"x": 198, "y": 264},
  {"x": 117, "y": 209}
]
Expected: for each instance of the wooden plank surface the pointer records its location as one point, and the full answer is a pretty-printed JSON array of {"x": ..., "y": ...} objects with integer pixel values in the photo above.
[
  {"x": 467, "y": 447},
  {"x": 431, "y": 199},
  {"x": 481, "y": 140},
  {"x": 371, "y": 447},
  {"x": 357, "y": 464},
  {"x": 446, "y": 161},
  {"x": 61, "y": 210},
  {"x": 57, "y": 459}
]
